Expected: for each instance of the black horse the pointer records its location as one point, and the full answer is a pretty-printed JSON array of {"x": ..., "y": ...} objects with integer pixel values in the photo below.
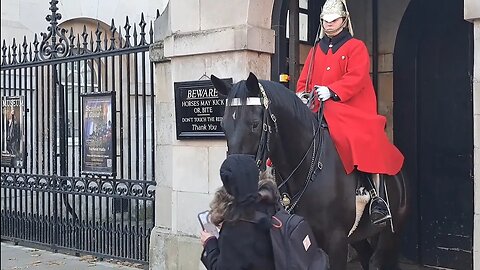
[{"x": 286, "y": 128}]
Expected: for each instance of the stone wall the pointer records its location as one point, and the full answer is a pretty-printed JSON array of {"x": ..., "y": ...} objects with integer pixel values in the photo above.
[{"x": 211, "y": 41}]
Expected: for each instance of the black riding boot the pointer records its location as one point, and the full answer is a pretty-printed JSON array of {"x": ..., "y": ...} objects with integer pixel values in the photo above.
[{"x": 379, "y": 211}]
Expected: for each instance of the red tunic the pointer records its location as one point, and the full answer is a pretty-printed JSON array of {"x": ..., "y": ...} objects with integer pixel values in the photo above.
[{"x": 355, "y": 127}]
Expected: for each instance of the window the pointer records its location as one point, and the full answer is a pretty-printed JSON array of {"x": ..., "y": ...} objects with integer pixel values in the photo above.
[{"x": 302, "y": 21}]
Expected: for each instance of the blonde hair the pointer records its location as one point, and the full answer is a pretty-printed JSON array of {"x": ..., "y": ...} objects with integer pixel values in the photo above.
[{"x": 219, "y": 205}]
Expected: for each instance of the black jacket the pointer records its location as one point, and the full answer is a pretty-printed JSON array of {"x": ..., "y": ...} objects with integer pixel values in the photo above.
[{"x": 242, "y": 245}]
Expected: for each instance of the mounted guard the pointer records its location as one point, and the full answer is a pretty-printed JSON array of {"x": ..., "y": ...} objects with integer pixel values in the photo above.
[{"x": 336, "y": 71}]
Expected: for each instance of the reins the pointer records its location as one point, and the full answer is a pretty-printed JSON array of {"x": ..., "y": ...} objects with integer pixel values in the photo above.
[
  {"x": 309, "y": 104},
  {"x": 311, "y": 171},
  {"x": 263, "y": 147},
  {"x": 320, "y": 118}
]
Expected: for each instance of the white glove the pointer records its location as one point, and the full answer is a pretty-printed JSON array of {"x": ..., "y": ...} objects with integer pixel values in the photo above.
[
  {"x": 304, "y": 96},
  {"x": 323, "y": 93}
]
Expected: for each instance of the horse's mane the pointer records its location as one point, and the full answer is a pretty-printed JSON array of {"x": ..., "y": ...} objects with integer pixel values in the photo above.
[
  {"x": 280, "y": 97},
  {"x": 286, "y": 99}
]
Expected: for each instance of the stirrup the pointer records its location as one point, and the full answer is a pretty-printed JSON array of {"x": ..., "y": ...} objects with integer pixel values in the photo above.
[
  {"x": 386, "y": 217},
  {"x": 382, "y": 221}
]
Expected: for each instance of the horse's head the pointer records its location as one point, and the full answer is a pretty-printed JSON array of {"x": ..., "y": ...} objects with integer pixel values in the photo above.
[{"x": 242, "y": 121}]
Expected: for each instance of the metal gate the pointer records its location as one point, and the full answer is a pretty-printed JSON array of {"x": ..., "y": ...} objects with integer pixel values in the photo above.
[{"x": 78, "y": 140}]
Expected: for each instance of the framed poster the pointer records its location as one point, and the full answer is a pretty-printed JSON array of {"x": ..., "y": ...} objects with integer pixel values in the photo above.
[
  {"x": 13, "y": 132},
  {"x": 199, "y": 110},
  {"x": 98, "y": 134}
]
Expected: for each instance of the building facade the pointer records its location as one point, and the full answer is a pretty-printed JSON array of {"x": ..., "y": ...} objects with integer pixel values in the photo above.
[{"x": 429, "y": 99}]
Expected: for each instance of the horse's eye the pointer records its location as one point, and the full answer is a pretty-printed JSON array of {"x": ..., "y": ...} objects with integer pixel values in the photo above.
[{"x": 255, "y": 125}]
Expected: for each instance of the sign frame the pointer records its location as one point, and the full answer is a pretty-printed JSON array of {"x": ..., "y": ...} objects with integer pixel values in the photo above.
[
  {"x": 112, "y": 155},
  {"x": 198, "y": 110},
  {"x": 8, "y": 160}
]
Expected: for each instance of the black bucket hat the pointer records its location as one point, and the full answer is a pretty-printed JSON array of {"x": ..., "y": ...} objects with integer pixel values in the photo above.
[{"x": 239, "y": 174}]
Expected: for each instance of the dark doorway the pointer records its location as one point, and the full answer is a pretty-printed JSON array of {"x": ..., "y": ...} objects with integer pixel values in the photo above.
[{"x": 433, "y": 127}]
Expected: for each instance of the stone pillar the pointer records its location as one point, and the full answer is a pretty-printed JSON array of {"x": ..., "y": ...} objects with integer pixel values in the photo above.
[
  {"x": 472, "y": 14},
  {"x": 194, "y": 38}
]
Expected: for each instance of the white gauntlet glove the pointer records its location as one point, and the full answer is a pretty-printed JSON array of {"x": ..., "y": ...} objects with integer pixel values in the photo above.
[
  {"x": 323, "y": 93},
  {"x": 304, "y": 96}
]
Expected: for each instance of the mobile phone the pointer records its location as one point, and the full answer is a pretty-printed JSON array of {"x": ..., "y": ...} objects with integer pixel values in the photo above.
[{"x": 206, "y": 223}]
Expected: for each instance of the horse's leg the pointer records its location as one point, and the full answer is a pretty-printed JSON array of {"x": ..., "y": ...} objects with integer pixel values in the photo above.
[
  {"x": 337, "y": 249},
  {"x": 387, "y": 247},
  {"x": 364, "y": 251},
  {"x": 385, "y": 256}
]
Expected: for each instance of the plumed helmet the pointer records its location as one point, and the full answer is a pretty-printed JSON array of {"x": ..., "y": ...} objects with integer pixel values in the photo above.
[{"x": 334, "y": 9}]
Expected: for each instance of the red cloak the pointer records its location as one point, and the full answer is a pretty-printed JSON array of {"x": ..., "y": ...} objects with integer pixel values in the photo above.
[{"x": 355, "y": 127}]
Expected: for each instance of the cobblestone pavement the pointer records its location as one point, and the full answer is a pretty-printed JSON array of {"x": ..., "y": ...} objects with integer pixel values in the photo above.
[{"x": 18, "y": 257}]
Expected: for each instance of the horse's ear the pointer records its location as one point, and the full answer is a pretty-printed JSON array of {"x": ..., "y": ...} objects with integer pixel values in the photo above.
[
  {"x": 252, "y": 85},
  {"x": 222, "y": 88}
]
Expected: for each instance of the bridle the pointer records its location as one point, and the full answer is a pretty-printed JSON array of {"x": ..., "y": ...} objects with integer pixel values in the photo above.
[{"x": 263, "y": 145}]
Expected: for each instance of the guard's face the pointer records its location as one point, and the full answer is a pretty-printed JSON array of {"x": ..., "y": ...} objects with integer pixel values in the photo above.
[{"x": 333, "y": 25}]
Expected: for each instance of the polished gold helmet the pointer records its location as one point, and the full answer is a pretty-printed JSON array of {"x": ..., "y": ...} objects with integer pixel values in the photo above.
[{"x": 334, "y": 9}]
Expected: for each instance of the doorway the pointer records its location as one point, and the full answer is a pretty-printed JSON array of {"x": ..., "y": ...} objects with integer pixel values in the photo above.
[{"x": 433, "y": 119}]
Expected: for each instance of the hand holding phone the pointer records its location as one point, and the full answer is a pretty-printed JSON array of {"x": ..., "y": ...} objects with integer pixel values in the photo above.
[{"x": 206, "y": 223}]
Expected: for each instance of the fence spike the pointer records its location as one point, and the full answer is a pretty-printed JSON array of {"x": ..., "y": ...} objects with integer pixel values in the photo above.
[
  {"x": 9, "y": 56},
  {"x": 127, "y": 33},
  {"x": 158, "y": 13},
  {"x": 151, "y": 32},
  {"x": 78, "y": 45},
  {"x": 35, "y": 50},
  {"x": 14, "y": 53},
  {"x": 71, "y": 37},
  {"x": 105, "y": 42},
  {"x": 120, "y": 39},
  {"x": 91, "y": 41},
  {"x": 85, "y": 37},
  {"x": 30, "y": 52},
  {"x": 113, "y": 29},
  {"x": 24, "y": 46},
  {"x": 4, "y": 53},
  {"x": 98, "y": 33},
  {"x": 135, "y": 34},
  {"x": 142, "y": 25}
]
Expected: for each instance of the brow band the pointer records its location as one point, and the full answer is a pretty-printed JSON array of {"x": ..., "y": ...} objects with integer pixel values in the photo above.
[{"x": 251, "y": 101}]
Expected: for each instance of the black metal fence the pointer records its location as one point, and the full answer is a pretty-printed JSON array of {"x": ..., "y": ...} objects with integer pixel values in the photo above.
[{"x": 78, "y": 140}]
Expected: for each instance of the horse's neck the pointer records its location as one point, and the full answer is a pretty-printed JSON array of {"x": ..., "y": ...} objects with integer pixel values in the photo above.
[{"x": 290, "y": 144}]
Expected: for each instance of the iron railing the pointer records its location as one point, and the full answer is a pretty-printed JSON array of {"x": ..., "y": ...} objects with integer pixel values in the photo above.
[
  {"x": 50, "y": 195},
  {"x": 32, "y": 213}
]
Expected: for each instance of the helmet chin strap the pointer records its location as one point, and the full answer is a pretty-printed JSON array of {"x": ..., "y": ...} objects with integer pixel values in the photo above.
[{"x": 331, "y": 32}]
